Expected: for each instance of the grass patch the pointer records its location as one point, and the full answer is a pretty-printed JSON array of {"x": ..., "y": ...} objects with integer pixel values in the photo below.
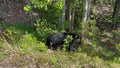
[{"x": 28, "y": 51}]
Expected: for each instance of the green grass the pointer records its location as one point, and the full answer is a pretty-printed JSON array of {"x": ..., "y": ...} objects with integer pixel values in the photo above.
[{"x": 21, "y": 48}]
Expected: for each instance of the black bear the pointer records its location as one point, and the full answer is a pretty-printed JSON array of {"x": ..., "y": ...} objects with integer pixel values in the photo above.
[
  {"x": 57, "y": 40},
  {"x": 74, "y": 44}
]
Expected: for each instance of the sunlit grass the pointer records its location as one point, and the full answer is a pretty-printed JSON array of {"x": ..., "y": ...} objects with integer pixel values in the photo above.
[{"x": 22, "y": 49}]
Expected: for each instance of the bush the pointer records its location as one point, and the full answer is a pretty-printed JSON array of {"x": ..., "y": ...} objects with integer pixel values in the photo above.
[
  {"x": 53, "y": 61},
  {"x": 118, "y": 47},
  {"x": 67, "y": 40},
  {"x": 29, "y": 43},
  {"x": 41, "y": 47},
  {"x": 43, "y": 29}
]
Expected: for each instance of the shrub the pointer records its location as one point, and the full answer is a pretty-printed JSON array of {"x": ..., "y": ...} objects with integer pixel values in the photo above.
[
  {"x": 118, "y": 47},
  {"x": 29, "y": 43},
  {"x": 53, "y": 61},
  {"x": 41, "y": 47},
  {"x": 43, "y": 29}
]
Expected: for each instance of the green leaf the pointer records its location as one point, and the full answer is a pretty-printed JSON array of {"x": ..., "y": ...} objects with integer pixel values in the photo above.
[
  {"x": 46, "y": 8},
  {"x": 27, "y": 8}
]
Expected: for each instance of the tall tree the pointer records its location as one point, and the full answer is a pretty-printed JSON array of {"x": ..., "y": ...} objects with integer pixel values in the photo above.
[
  {"x": 116, "y": 13},
  {"x": 87, "y": 6},
  {"x": 63, "y": 10},
  {"x": 62, "y": 17},
  {"x": 72, "y": 15},
  {"x": 67, "y": 11}
]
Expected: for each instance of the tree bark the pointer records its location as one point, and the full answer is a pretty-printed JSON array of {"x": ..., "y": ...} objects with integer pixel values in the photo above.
[
  {"x": 116, "y": 13},
  {"x": 62, "y": 17},
  {"x": 63, "y": 10},
  {"x": 87, "y": 6},
  {"x": 68, "y": 14},
  {"x": 72, "y": 16},
  {"x": 67, "y": 10}
]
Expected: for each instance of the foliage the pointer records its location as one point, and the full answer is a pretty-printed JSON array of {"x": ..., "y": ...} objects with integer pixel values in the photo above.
[
  {"x": 27, "y": 8},
  {"x": 53, "y": 61},
  {"x": 67, "y": 40},
  {"x": 49, "y": 10},
  {"x": 43, "y": 29},
  {"x": 41, "y": 47},
  {"x": 14, "y": 33},
  {"x": 118, "y": 47},
  {"x": 34, "y": 51},
  {"x": 116, "y": 60},
  {"x": 28, "y": 41},
  {"x": 92, "y": 33},
  {"x": 116, "y": 33}
]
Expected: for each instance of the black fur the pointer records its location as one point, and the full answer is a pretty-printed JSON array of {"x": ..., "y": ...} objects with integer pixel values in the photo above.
[
  {"x": 74, "y": 44},
  {"x": 57, "y": 40}
]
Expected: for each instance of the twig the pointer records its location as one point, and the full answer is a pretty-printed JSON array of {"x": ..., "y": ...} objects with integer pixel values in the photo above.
[{"x": 4, "y": 40}]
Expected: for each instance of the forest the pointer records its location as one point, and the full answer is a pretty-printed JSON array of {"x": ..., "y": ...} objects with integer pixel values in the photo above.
[{"x": 59, "y": 33}]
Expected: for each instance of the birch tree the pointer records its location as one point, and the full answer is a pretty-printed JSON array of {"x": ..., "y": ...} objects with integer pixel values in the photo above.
[{"x": 87, "y": 6}]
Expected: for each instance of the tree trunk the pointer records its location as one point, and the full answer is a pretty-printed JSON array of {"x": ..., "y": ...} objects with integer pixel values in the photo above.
[
  {"x": 62, "y": 17},
  {"x": 87, "y": 6},
  {"x": 68, "y": 15},
  {"x": 116, "y": 13},
  {"x": 67, "y": 12},
  {"x": 72, "y": 16},
  {"x": 63, "y": 10}
]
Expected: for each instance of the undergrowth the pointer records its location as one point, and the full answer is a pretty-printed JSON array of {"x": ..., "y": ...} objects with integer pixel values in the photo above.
[{"x": 20, "y": 47}]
